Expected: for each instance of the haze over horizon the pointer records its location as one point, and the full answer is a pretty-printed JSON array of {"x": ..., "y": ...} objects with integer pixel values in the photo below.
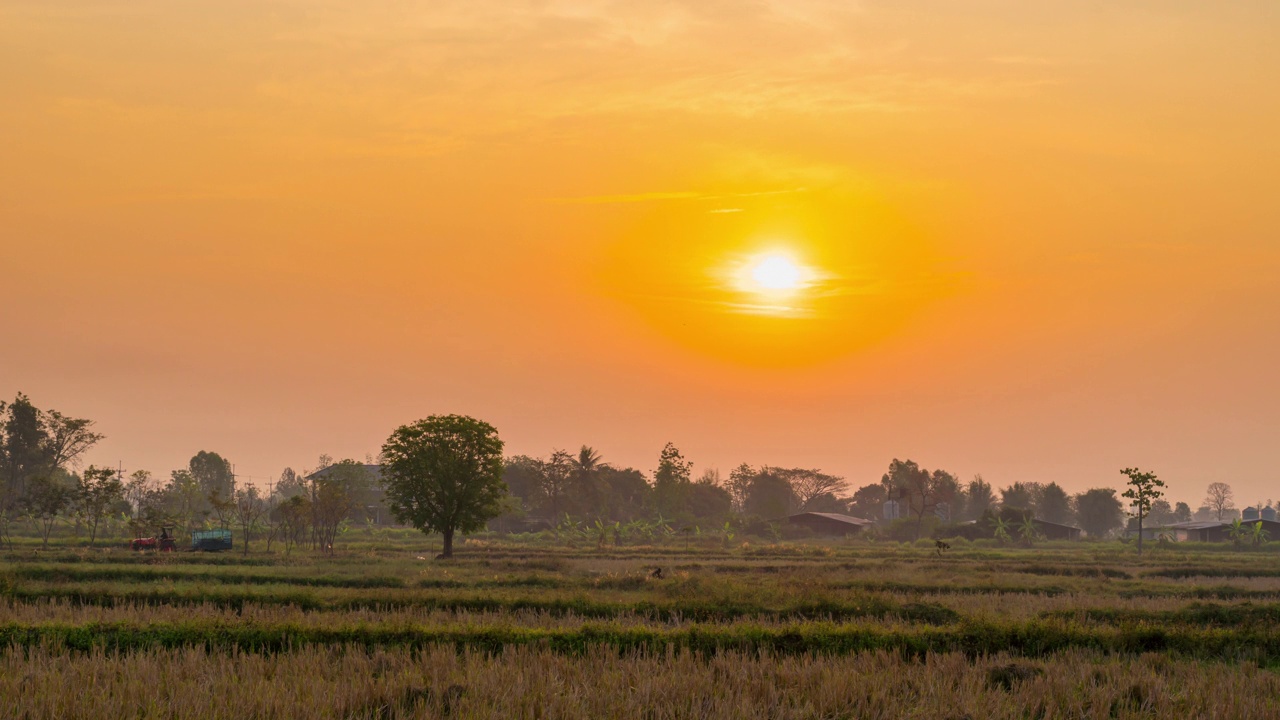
[{"x": 1035, "y": 242}]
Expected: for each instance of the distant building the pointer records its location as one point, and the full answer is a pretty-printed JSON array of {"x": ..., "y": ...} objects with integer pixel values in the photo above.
[
  {"x": 374, "y": 505},
  {"x": 829, "y": 523},
  {"x": 1206, "y": 530},
  {"x": 1057, "y": 531}
]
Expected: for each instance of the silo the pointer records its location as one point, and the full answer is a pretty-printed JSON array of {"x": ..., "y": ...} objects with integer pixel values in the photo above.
[
  {"x": 1250, "y": 513},
  {"x": 1269, "y": 513}
]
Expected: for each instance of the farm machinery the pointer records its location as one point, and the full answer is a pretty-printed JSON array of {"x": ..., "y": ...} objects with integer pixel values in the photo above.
[
  {"x": 201, "y": 540},
  {"x": 164, "y": 542}
]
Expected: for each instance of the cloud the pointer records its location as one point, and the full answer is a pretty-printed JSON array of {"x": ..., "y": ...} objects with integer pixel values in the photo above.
[
  {"x": 639, "y": 197},
  {"x": 661, "y": 196}
]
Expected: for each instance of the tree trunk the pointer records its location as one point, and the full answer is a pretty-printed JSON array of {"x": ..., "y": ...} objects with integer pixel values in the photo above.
[
  {"x": 448, "y": 543},
  {"x": 1139, "y": 536}
]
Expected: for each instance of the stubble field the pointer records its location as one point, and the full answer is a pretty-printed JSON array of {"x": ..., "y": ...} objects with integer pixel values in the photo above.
[{"x": 541, "y": 629}]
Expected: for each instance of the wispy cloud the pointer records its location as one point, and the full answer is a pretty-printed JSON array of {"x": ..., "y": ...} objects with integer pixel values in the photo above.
[
  {"x": 635, "y": 198},
  {"x": 661, "y": 196}
]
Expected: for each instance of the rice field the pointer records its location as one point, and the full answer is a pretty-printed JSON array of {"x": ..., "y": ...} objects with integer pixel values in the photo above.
[{"x": 537, "y": 629}]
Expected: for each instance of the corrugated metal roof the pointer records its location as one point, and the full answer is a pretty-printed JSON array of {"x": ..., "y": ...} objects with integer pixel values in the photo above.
[
  {"x": 835, "y": 516},
  {"x": 375, "y": 470},
  {"x": 1050, "y": 522},
  {"x": 1195, "y": 525}
]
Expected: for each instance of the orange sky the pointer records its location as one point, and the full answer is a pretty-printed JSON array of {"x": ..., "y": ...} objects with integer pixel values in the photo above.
[{"x": 1047, "y": 232}]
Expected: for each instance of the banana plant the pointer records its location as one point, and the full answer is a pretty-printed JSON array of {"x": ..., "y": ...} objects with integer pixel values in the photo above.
[
  {"x": 1002, "y": 530},
  {"x": 1259, "y": 535},
  {"x": 726, "y": 534},
  {"x": 601, "y": 533},
  {"x": 1028, "y": 531},
  {"x": 1238, "y": 532}
]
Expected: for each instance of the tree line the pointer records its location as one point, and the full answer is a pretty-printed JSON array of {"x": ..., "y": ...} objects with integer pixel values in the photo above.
[{"x": 40, "y": 451}]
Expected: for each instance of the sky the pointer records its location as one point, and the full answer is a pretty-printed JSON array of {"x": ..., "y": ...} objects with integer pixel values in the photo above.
[{"x": 1035, "y": 241}]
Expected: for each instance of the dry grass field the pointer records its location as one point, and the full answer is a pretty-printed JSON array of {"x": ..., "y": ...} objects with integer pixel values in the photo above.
[{"x": 537, "y": 628}]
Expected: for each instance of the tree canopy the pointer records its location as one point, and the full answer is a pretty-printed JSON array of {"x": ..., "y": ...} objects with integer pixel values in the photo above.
[
  {"x": 444, "y": 474},
  {"x": 1144, "y": 489},
  {"x": 35, "y": 443}
]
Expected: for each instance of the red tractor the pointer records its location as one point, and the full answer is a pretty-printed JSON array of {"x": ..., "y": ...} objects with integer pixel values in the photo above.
[{"x": 164, "y": 543}]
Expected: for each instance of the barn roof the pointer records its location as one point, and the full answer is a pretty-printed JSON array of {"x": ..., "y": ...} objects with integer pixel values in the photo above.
[
  {"x": 374, "y": 470},
  {"x": 848, "y": 519},
  {"x": 1038, "y": 521}
]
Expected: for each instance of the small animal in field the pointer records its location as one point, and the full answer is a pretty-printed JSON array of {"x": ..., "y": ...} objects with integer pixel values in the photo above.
[
  {"x": 940, "y": 545},
  {"x": 656, "y": 574}
]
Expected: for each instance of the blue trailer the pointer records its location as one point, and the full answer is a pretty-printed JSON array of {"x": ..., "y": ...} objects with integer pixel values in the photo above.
[{"x": 211, "y": 540}]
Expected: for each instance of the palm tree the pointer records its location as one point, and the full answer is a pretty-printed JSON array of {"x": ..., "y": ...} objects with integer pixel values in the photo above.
[
  {"x": 586, "y": 473},
  {"x": 588, "y": 460}
]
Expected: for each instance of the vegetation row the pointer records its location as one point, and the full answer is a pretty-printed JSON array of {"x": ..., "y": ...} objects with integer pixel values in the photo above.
[{"x": 974, "y": 639}]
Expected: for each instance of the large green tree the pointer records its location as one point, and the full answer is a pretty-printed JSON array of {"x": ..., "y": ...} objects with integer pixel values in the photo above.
[
  {"x": 1099, "y": 511},
  {"x": 627, "y": 492},
  {"x": 671, "y": 481},
  {"x": 868, "y": 502},
  {"x": 213, "y": 474},
  {"x": 769, "y": 496},
  {"x": 35, "y": 443},
  {"x": 979, "y": 498},
  {"x": 1054, "y": 505},
  {"x": 444, "y": 474},
  {"x": 1020, "y": 496}
]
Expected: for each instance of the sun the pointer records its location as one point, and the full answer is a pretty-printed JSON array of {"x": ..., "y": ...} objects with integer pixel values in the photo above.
[
  {"x": 773, "y": 281},
  {"x": 776, "y": 272}
]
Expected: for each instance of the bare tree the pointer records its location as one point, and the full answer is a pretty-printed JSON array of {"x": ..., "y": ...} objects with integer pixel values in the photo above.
[
  {"x": 808, "y": 484},
  {"x": 45, "y": 502},
  {"x": 332, "y": 500},
  {"x": 223, "y": 508},
  {"x": 294, "y": 519},
  {"x": 97, "y": 491},
  {"x": 918, "y": 488},
  {"x": 247, "y": 509},
  {"x": 68, "y": 438},
  {"x": 1219, "y": 499},
  {"x": 138, "y": 488},
  {"x": 739, "y": 483}
]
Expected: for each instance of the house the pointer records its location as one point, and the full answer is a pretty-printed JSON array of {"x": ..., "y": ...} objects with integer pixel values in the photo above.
[
  {"x": 1057, "y": 531},
  {"x": 829, "y": 523},
  {"x": 373, "y": 502}
]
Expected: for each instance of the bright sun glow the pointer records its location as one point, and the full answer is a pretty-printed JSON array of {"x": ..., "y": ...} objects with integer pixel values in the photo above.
[
  {"x": 776, "y": 272},
  {"x": 773, "y": 282}
]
